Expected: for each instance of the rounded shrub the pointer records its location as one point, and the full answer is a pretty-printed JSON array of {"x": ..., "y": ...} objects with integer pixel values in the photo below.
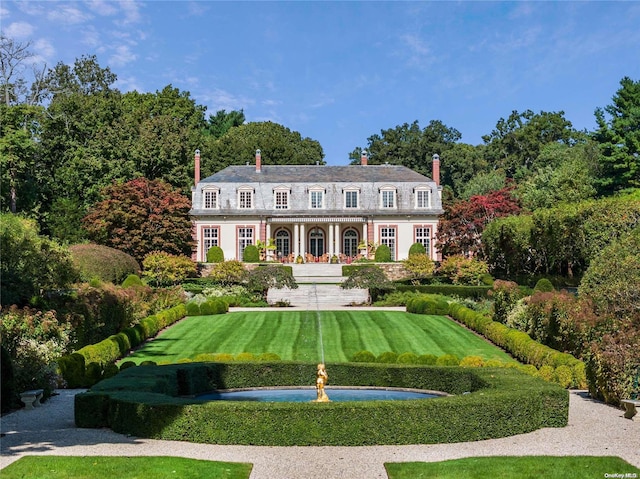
[
  {"x": 448, "y": 360},
  {"x": 127, "y": 365},
  {"x": 417, "y": 248},
  {"x": 251, "y": 254},
  {"x": 363, "y": 357},
  {"x": 193, "y": 309},
  {"x": 215, "y": 255},
  {"x": 546, "y": 373},
  {"x": 132, "y": 281},
  {"x": 104, "y": 263},
  {"x": 493, "y": 363},
  {"x": 544, "y": 286},
  {"x": 563, "y": 376},
  {"x": 110, "y": 370},
  {"x": 408, "y": 358},
  {"x": 427, "y": 359},
  {"x": 383, "y": 254},
  {"x": 529, "y": 369},
  {"x": 388, "y": 357},
  {"x": 148, "y": 363},
  {"x": 472, "y": 362},
  {"x": 245, "y": 357},
  {"x": 222, "y": 357},
  {"x": 205, "y": 358}
]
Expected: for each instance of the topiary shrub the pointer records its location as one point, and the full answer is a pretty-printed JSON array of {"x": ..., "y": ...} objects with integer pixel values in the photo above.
[
  {"x": 215, "y": 255},
  {"x": 383, "y": 254},
  {"x": 543, "y": 286},
  {"x": 269, "y": 357},
  {"x": 448, "y": 360},
  {"x": 417, "y": 248},
  {"x": 427, "y": 359},
  {"x": 106, "y": 264},
  {"x": 251, "y": 254},
  {"x": 563, "y": 376},
  {"x": 472, "y": 362},
  {"x": 388, "y": 357},
  {"x": 363, "y": 357},
  {"x": 132, "y": 281},
  {"x": 193, "y": 309},
  {"x": 127, "y": 365},
  {"x": 408, "y": 358}
]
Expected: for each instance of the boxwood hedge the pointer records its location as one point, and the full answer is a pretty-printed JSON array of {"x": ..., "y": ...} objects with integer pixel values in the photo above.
[
  {"x": 86, "y": 366},
  {"x": 157, "y": 402}
]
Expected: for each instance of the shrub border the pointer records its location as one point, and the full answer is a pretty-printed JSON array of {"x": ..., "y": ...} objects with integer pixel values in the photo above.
[{"x": 155, "y": 402}]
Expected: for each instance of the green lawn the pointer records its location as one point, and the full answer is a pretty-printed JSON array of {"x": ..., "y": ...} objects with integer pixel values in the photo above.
[
  {"x": 533, "y": 467},
  {"x": 294, "y": 335},
  {"x": 91, "y": 467}
]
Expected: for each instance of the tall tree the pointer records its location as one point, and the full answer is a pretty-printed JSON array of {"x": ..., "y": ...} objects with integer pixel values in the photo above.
[
  {"x": 410, "y": 146},
  {"x": 619, "y": 139},
  {"x": 222, "y": 122},
  {"x": 515, "y": 143},
  {"x": 140, "y": 217},
  {"x": 278, "y": 144},
  {"x": 14, "y": 87}
]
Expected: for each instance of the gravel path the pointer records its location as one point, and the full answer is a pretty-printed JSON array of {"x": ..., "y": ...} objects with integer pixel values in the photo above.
[{"x": 594, "y": 429}]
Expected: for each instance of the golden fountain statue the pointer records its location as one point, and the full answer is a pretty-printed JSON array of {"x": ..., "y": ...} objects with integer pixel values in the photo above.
[{"x": 321, "y": 380}]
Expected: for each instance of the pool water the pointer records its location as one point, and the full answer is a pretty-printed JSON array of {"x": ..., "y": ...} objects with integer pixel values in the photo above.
[{"x": 306, "y": 395}]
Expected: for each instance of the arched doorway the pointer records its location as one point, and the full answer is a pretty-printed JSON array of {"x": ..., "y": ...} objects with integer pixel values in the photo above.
[
  {"x": 316, "y": 242},
  {"x": 350, "y": 242},
  {"x": 283, "y": 243}
]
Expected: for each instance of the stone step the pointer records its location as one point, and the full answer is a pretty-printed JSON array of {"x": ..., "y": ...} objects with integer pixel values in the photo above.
[{"x": 312, "y": 296}]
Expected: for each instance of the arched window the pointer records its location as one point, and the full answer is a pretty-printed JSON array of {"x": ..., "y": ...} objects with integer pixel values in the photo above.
[
  {"x": 350, "y": 242},
  {"x": 283, "y": 243}
]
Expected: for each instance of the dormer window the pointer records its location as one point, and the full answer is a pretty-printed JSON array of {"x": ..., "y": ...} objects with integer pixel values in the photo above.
[
  {"x": 210, "y": 199},
  {"x": 245, "y": 198},
  {"x": 316, "y": 198},
  {"x": 423, "y": 198},
  {"x": 351, "y": 199},
  {"x": 388, "y": 198},
  {"x": 281, "y": 198}
]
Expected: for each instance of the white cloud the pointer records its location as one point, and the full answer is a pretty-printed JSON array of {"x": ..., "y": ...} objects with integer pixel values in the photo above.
[
  {"x": 131, "y": 11},
  {"x": 416, "y": 51},
  {"x": 102, "y": 7},
  {"x": 197, "y": 9},
  {"x": 44, "y": 51},
  {"x": 4, "y": 12},
  {"x": 271, "y": 102},
  {"x": 122, "y": 56},
  {"x": 18, "y": 30},
  {"x": 128, "y": 84},
  {"x": 220, "y": 99},
  {"x": 68, "y": 15}
]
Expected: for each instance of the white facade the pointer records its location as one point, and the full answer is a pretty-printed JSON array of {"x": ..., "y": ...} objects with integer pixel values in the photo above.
[{"x": 315, "y": 212}]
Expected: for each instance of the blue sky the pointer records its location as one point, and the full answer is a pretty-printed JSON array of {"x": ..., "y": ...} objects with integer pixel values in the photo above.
[{"x": 338, "y": 72}]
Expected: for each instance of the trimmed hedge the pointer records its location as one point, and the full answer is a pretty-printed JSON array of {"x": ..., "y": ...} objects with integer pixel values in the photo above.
[
  {"x": 428, "y": 304},
  {"x": 85, "y": 367},
  {"x": 102, "y": 262},
  {"x": 475, "y": 292},
  {"x": 157, "y": 402},
  {"x": 207, "y": 308},
  {"x": 519, "y": 344}
]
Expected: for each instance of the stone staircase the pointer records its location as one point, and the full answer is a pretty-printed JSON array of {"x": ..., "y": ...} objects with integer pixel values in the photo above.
[{"x": 318, "y": 288}]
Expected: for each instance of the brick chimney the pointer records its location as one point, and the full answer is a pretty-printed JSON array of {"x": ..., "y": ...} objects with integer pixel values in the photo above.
[
  {"x": 258, "y": 161},
  {"x": 436, "y": 169},
  {"x": 196, "y": 173},
  {"x": 364, "y": 158}
]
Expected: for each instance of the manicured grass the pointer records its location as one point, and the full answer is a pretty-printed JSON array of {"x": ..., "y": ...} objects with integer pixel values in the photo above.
[
  {"x": 294, "y": 335},
  {"x": 570, "y": 467},
  {"x": 91, "y": 467}
]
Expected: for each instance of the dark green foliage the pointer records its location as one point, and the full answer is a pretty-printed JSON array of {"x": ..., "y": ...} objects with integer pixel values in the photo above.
[
  {"x": 215, "y": 255},
  {"x": 475, "y": 292},
  {"x": 417, "y": 248},
  {"x": 251, "y": 254},
  {"x": 86, "y": 366},
  {"x": 363, "y": 357},
  {"x": 383, "y": 254},
  {"x": 8, "y": 394},
  {"x": 270, "y": 276},
  {"x": 428, "y": 304},
  {"x": 214, "y": 306},
  {"x": 132, "y": 281},
  {"x": 127, "y": 365},
  {"x": 102, "y": 262},
  {"x": 193, "y": 308},
  {"x": 505, "y": 295},
  {"x": 144, "y": 402},
  {"x": 369, "y": 277}
]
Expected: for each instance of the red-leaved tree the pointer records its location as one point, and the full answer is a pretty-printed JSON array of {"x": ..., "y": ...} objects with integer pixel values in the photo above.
[
  {"x": 462, "y": 222},
  {"x": 142, "y": 216}
]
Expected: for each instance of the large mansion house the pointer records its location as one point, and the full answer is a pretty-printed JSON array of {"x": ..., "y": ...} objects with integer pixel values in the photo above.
[{"x": 316, "y": 213}]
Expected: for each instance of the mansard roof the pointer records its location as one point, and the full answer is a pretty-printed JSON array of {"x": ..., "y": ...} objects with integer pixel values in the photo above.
[{"x": 316, "y": 174}]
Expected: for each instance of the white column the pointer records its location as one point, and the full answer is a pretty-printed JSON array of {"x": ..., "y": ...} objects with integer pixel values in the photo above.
[
  {"x": 364, "y": 232},
  {"x": 303, "y": 242},
  {"x": 331, "y": 250},
  {"x": 338, "y": 242},
  {"x": 296, "y": 239}
]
